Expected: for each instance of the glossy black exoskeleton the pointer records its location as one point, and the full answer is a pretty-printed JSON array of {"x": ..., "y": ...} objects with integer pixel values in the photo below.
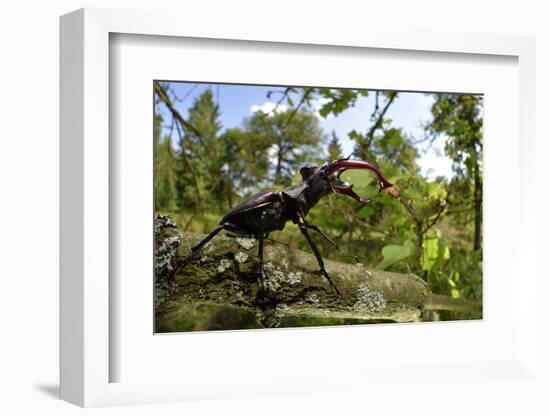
[{"x": 267, "y": 211}]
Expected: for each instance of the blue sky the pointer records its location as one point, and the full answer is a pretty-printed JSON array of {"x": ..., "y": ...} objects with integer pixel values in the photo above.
[{"x": 409, "y": 112}]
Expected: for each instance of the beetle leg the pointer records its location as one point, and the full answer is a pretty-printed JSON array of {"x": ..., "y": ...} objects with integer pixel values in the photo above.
[
  {"x": 330, "y": 240},
  {"x": 303, "y": 228},
  {"x": 261, "y": 237},
  {"x": 195, "y": 249},
  {"x": 326, "y": 237}
]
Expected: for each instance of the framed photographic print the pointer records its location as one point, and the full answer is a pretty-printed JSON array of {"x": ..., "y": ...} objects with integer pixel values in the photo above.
[
  {"x": 252, "y": 160},
  {"x": 273, "y": 206}
]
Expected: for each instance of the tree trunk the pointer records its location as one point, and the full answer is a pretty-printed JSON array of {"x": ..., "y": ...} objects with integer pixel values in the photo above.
[{"x": 218, "y": 288}]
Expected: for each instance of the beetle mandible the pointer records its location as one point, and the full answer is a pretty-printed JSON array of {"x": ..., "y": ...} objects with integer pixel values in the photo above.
[{"x": 267, "y": 211}]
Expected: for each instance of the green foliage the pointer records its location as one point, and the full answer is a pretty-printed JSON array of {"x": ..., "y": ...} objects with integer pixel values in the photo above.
[
  {"x": 393, "y": 253},
  {"x": 165, "y": 179},
  {"x": 459, "y": 117},
  {"x": 288, "y": 136},
  {"x": 338, "y": 100},
  {"x": 434, "y": 252},
  {"x": 201, "y": 155},
  {"x": 247, "y": 159},
  {"x": 334, "y": 148}
]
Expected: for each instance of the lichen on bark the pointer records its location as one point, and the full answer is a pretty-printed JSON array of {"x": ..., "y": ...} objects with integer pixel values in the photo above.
[{"x": 219, "y": 288}]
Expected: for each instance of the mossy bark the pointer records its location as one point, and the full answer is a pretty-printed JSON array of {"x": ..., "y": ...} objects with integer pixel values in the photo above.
[{"x": 219, "y": 288}]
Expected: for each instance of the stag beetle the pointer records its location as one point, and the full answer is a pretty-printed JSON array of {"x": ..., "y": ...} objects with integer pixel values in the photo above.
[{"x": 267, "y": 211}]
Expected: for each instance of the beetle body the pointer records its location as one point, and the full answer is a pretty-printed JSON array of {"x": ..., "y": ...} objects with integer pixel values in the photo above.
[
  {"x": 246, "y": 218},
  {"x": 268, "y": 211}
]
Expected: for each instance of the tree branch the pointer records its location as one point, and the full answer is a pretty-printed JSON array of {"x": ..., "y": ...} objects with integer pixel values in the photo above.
[
  {"x": 307, "y": 92},
  {"x": 284, "y": 95},
  {"x": 380, "y": 120},
  {"x": 442, "y": 207},
  {"x": 163, "y": 96},
  {"x": 219, "y": 287}
]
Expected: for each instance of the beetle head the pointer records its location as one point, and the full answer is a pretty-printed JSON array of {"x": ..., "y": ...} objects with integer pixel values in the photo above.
[
  {"x": 308, "y": 171},
  {"x": 333, "y": 171}
]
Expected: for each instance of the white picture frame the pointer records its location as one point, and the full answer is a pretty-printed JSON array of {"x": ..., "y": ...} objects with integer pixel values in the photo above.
[{"x": 86, "y": 356}]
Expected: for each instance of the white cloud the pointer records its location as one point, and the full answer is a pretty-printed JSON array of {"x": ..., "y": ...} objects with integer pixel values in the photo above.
[
  {"x": 317, "y": 105},
  {"x": 269, "y": 108},
  {"x": 433, "y": 162},
  {"x": 272, "y": 154}
]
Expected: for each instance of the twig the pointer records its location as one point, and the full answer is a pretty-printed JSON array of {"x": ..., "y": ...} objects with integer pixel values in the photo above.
[
  {"x": 442, "y": 207},
  {"x": 410, "y": 209},
  {"x": 163, "y": 95},
  {"x": 284, "y": 95},
  {"x": 376, "y": 106},
  {"x": 379, "y": 121},
  {"x": 181, "y": 100},
  {"x": 307, "y": 92}
]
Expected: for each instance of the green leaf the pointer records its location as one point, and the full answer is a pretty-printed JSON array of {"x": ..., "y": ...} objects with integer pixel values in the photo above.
[
  {"x": 430, "y": 253},
  {"x": 393, "y": 253},
  {"x": 446, "y": 253},
  {"x": 437, "y": 191},
  {"x": 325, "y": 110}
]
